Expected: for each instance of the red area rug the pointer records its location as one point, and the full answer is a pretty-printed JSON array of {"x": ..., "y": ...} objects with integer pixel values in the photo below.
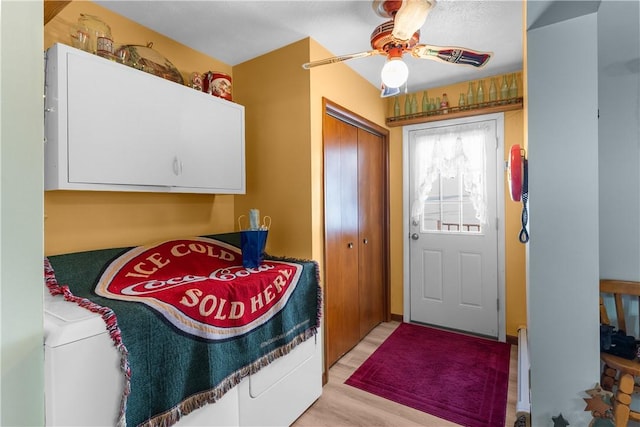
[{"x": 456, "y": 377}]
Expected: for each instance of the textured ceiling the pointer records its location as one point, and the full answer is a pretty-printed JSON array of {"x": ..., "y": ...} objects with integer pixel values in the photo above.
[{"x": 236, "y": 31}]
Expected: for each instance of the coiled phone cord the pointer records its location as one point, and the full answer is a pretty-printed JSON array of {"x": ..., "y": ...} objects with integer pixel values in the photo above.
[{"x": 524, "y": 235}]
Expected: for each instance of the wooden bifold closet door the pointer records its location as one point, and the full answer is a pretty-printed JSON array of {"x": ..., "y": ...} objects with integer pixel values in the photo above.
[{"x": 355, "y": 234}]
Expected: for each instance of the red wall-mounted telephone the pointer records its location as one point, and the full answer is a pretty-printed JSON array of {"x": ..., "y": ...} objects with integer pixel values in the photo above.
[{"x": 517, "y": 175}]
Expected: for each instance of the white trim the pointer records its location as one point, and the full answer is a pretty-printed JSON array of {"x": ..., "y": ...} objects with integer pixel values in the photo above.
[{"x": 406, "y": 211}]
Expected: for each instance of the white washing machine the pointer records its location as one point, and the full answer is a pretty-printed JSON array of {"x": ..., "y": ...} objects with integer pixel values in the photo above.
[
  {"x": 83, "y": 379},
  {"x": 76, "y": 346}
]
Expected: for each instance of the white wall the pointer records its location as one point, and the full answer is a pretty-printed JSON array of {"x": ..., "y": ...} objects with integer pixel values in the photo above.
[
  {"x": 21, "y": 206},
  {"x": 563, "y": 255},
  {"x": 619, "y": 138}
]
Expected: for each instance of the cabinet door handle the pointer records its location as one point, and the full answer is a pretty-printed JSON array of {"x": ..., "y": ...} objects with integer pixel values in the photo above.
[
  {"x": 350, "y": 245},
  {"x": 177, "y": 166},
  {"x": 365, "y": 240}
]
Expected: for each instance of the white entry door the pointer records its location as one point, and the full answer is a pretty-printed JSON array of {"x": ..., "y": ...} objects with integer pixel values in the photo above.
[{"x": 453, "y": 226}]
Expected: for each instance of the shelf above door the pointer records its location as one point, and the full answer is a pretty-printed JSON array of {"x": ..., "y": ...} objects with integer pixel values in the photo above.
[{"x": 455, "y": 112}]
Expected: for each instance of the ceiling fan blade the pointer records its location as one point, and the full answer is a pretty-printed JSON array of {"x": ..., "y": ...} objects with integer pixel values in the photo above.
[
  {"x": 388, "y": 91},
  {"x": 341, "y": 58},
  {"x": 410, "y": 18},
  {"x": 452, "y": 55}
]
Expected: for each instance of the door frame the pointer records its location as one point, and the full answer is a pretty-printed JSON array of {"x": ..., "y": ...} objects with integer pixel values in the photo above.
[
  {"x": 500, "y": 214},
  {"x": 341, "y": 113}
]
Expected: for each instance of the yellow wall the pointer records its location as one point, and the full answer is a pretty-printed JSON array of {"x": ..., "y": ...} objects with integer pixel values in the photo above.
[
  {"x": 83, "y": 220},
  {"x": 515, "y": 266},
  {"x": 285, "y": 152},
  {"x": 284, "y": 140},
  {"x": 275, "y": 92},
  {"x": 340, "y": 84}
]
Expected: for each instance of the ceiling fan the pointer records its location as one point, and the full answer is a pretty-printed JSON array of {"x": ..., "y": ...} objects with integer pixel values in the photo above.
[{"x": 401, "y": 35}]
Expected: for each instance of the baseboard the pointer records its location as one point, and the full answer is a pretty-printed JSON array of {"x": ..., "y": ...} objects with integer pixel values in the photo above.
[{"x": 397, "y": 317}]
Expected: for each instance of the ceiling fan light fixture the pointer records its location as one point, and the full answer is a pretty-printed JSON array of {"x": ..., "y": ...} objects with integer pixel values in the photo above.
[{"x": 394, "y": 72}]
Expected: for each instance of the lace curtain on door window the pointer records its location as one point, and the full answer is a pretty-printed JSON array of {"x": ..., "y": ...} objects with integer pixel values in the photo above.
[{"x": 448, "y": 152}]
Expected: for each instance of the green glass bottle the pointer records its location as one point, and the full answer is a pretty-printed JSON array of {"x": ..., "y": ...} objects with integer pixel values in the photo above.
[
  {"x": 471, "y": 98},
  {"x": 480, "y": 93},
  {"x": 407, "y": 105},
  {"x": 493, "y": 92},
  {"x": 513, "y": 89},
  {"x": 396, "y": 107},
  {"x": 504, "y": 90},
  {"x": 425, "y": 102}
]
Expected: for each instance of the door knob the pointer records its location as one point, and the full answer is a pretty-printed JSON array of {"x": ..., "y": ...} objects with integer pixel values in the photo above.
[
  {"x": 350, "y": 245},
  {"x": 415, "y": 236},
  {"x": 365, "y": 241}
]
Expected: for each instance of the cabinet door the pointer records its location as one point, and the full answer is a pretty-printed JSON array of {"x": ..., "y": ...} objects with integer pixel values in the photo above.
[
  {"x": 121, "y": 124},
  {"x": 212, "y": 150}
]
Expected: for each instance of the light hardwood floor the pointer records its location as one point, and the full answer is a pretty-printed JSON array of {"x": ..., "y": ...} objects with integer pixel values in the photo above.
[{"x": 343, "y": 405}]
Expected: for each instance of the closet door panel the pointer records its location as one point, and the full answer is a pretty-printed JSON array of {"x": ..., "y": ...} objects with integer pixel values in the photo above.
[
  {"x": 371, "y": 198},
  {"x": 341, "y": 224}
]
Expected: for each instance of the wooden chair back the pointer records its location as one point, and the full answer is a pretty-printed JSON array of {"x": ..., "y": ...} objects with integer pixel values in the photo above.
[
  {"x": 617, "y": 288},
  {"x": 617, "y": 370}
]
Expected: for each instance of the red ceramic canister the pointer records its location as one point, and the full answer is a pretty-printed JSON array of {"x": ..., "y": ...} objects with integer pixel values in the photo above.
[{"x": 217, "y": 84}]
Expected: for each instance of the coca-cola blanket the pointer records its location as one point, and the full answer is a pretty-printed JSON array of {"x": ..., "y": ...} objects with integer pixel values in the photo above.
[{"x": 188, "y": 319}]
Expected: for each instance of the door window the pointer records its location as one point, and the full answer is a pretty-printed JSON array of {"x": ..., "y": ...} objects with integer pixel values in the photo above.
[
  {"x": 450, "y": 180},
  {"x": 448, "y": 208}
]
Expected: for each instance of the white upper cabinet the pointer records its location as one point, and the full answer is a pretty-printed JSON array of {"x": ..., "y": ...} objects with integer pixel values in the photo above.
[{"x": 110, "y": 127}]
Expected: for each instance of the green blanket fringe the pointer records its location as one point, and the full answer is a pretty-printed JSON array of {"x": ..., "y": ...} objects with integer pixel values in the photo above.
[{"x": 199, "y": 400}]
